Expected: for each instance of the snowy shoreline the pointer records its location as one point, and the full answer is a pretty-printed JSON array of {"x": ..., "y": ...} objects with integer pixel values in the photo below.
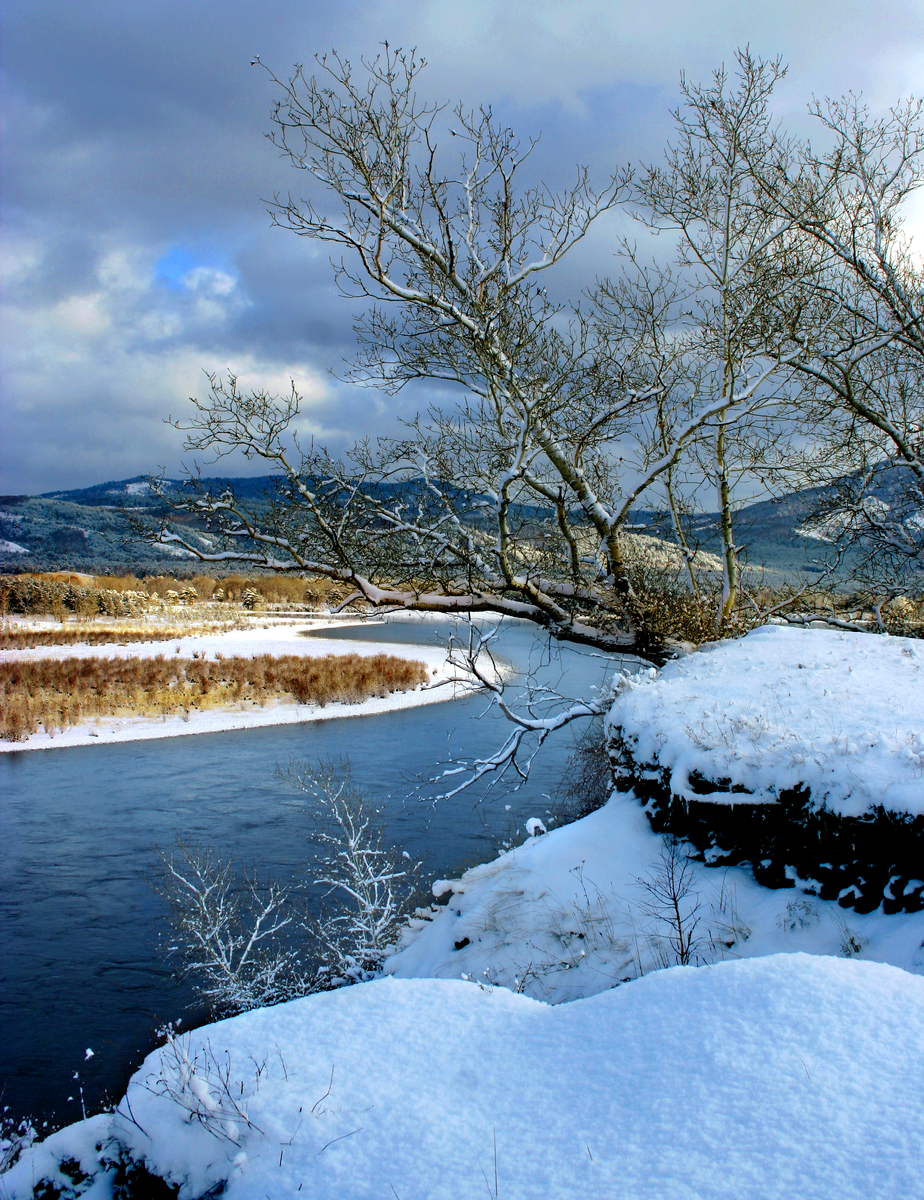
[
  {"x": 837, "y": 712},
  {"x": 445, "y": 684}
]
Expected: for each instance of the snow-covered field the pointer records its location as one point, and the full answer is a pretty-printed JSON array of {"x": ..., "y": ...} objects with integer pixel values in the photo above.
[
  {"x": 259, "y": 639},
  {"x": 789, "y": 1076},
  {"x": 841, "y": 713}
]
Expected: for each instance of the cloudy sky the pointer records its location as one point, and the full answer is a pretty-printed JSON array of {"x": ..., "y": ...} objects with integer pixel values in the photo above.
[{"x": 136, "y": 248}]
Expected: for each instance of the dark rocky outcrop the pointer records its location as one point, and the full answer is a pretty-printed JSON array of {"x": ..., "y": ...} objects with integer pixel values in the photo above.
[{"x": 862, "y": 862}]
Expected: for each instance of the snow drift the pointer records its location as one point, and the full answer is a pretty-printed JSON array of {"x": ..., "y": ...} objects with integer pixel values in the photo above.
[
  {"x": 789, "y": 1076},
  {"x": 840, "y": 714}
]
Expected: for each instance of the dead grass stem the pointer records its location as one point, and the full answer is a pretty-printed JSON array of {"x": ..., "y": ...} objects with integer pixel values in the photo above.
[
  {"x": 55, "y": 693},
  {"x": 82, "y": 635}
]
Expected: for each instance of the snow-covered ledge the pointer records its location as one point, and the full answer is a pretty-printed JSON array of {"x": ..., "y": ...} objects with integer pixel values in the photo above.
[{"x": 801, "y": 750}]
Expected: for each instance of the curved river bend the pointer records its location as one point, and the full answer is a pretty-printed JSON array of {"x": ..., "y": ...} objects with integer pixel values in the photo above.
[{"x": 80, "y": 961}]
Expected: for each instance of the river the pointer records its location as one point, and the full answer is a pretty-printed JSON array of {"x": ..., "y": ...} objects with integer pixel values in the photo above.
[{"x": 82, "y": 964}]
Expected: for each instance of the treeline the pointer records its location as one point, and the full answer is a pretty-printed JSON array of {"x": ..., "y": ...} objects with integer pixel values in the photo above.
[{"x": 68, "y": 593}]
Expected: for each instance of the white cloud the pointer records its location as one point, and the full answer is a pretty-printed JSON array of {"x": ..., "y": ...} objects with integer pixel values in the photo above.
[
  {"x": 209, "y": 281},
  {"x": 123, "y": 151},
  {"x": 537, "y": 50},
  {"x": 89, "y": 378}
]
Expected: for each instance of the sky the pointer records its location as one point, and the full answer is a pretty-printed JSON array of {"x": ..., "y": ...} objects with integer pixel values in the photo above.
[{"x": 137, "y": 252}]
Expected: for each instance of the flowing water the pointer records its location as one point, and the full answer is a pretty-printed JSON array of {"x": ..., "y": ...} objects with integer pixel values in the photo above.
[{"x": 82, "y": 965}]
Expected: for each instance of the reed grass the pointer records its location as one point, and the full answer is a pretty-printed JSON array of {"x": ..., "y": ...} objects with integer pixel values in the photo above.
[
  {"x": 55, "y": 693},
  {"x": 82, "y": 635}
]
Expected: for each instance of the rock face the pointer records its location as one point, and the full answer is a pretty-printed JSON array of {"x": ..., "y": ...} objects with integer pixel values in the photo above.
[
  {"x": 799, "y": 751},
  {"x": 862, "y": 862}
]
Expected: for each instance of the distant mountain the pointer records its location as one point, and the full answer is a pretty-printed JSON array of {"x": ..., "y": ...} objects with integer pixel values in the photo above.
[
  {"x": 84, "y": 529},
  {"x": 136, "y": 492}
]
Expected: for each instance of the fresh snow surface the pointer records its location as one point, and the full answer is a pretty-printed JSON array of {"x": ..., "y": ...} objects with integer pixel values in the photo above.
[
  {"x": 11, "y": 548},
  {"x": 565, "y": 915},
  {"x": 788, "y": 1077},
  {"x": 276, "y": 639},
  {"x": 841, "y": 713}
]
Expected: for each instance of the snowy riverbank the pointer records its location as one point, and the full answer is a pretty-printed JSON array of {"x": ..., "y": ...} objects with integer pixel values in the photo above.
[
  {"x": 276, "y": 639},
  {"x": 790, "y": 1076},
  {"x": 576, "y": 911},
  {"x": 787, "y": 1062}
]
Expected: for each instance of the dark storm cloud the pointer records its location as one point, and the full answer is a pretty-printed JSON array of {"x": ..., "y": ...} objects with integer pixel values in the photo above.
[{"x": 136, "y": 244}]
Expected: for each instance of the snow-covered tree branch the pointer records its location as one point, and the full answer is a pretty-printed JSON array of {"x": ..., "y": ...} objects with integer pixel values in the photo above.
[
  {"x": 788, "y": 316},
  {"x": 369, "y": 885}
]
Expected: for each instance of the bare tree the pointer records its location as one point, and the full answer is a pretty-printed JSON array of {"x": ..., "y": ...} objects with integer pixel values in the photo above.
[
  {"x": 733, "y": 281},
  {"x": 861, "y": 381},
  {"x": 669, "y": 382},
  {"x": 515, "y": 499}
]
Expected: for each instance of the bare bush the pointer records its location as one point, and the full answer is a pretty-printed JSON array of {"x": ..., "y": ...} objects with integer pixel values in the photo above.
[
  {"x": 850, "y": 942},
  {"x": 248, "y": 942},
  {"x": 16, "y": 1136},
  {"x": 675, "y": 906},
  {"x": 371, "y": 886},
  {"x": 227, "y": 927},
  {"x": 202, "y": 1084},
  {"x": 587, "y": 780}
]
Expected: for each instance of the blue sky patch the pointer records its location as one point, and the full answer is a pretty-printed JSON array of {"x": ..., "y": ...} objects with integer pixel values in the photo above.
[{"x": 179, "y": 260}]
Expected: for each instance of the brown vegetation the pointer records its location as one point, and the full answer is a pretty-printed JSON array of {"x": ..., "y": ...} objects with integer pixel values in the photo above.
[
  {"x": 672, "y": 612},
  {"x": 55, "y": 693},
  {"x": 70, "y": 635},
  {"x": 62, "y": 594}
]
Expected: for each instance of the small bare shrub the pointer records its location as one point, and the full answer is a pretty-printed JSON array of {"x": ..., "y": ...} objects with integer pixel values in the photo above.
[
  {"x": 248, "y": 942},
  {"x": 850, "y": 942},
  {"x": 674, "y": 905},
  {"x": 587, "y": 780},
  {"x": 227, "y": 929},
  {"x": 371, "y": 885},
  {"x": 202, "y": 1084},
  {"x": 798, "y": 914},
  {"x": 15, "y": 1137}
]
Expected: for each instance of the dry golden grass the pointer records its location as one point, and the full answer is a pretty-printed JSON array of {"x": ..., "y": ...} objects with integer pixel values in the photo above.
[
  {"x": 273, "y": 589},
  {"x": 12, "y": 638},
  {"x": 55, "y": 693},
  {"x": 29, "y": 639}
]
